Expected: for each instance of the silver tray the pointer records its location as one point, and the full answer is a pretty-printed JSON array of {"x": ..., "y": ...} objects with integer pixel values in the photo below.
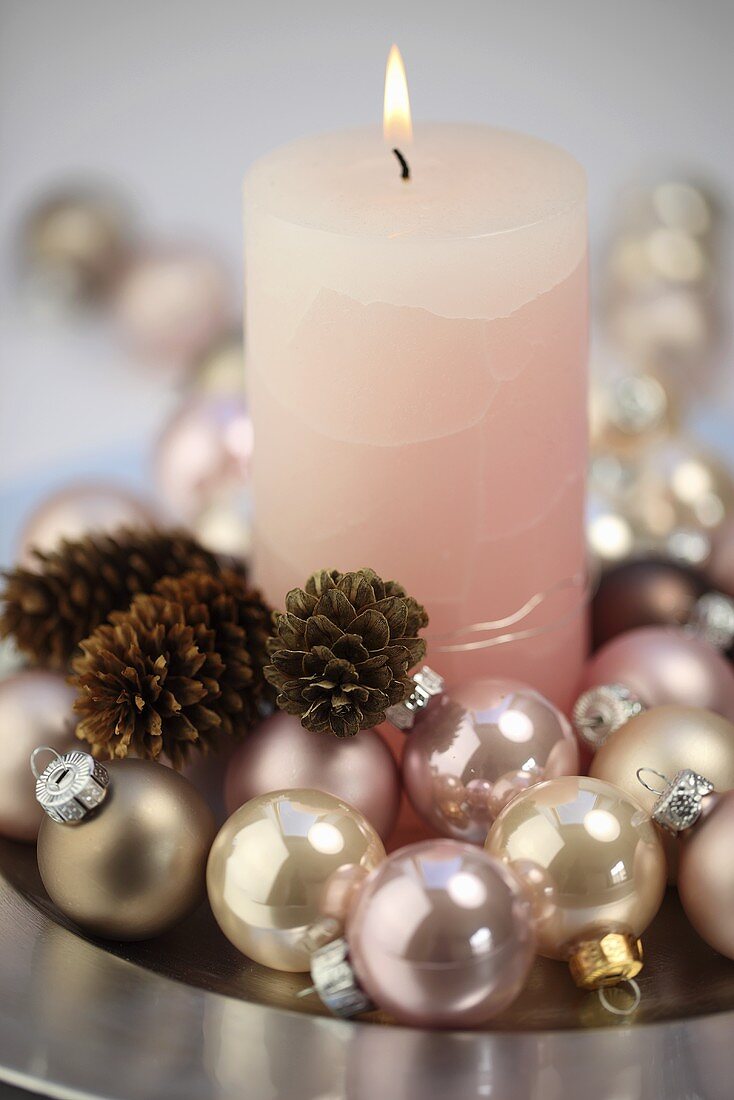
[{"x": 185, "y": 1017}]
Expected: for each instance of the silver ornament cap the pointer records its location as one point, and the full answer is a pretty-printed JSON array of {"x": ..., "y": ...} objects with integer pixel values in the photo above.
[
  {"x": 679, "y": 803},
  {"x": 335, "y": 981},
  {"x": 601, "y": 710},
  {"x": 427, "y": 685},
  {"x": 71, "y": 787}
]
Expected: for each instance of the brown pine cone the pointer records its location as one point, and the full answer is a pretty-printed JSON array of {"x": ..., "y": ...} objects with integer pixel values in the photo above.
[
  {"x": 234, "y": 614},
  {"x": 50, "y": 609},
  {"x": 147, "y": 685},
  {"x": 342, "y": 652}
]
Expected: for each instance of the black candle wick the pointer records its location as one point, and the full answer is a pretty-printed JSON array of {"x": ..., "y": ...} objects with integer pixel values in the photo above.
[{"x": 405, "y": 169}]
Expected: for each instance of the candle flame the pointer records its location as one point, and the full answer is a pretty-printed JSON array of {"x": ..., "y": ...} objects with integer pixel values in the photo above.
[{"x": 396, "y": 123}]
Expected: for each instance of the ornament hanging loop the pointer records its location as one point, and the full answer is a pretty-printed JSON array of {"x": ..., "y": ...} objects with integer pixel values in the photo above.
[
  {"x": 34, "y": 757},
  {"x": 653, "y": 790},
  {"x": 635, "y": 998}
]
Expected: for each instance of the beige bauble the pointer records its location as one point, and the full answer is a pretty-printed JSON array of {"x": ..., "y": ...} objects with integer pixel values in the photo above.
[
  {"x": 668, "y": 739},
  {"x": 135, "y": 866},
  {"x": 268, "y": 866}
]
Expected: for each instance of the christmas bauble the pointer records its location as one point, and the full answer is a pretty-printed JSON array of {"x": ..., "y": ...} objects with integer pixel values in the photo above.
[
  {"x": 644, "y": 593},
  {"x": 706, "y": 872},
  {"x": 668, "y": 739},
  {"x": 268, "y": 866},
  {"x": 133, "y": 866},
  {"x": 74, "y": 241},
  {"x": 441, "y": 935},
  {"x": 171, "y": 304},
  {"x": 203, "y": 455},
  {"x": 665, "y": 665},
  {"x": 77, "y": 510},
  {"x": 280, "y": 754},
  {"x": 477, "y": 747},
  {"x": 599, "y": 862},
  {"x": 35, "y": 709}
]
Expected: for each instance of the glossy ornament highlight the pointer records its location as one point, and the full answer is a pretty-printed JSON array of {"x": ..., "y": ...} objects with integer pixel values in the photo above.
[
  {"x": 268, "y": 866},
  {"x": 596, "y": 858}
]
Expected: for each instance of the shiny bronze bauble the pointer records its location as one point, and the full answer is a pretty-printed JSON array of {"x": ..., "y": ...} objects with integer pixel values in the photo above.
[{"x": 644, "y": 593}]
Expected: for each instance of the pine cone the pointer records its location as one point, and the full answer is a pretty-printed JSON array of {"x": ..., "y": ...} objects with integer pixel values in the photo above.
[
  {"x": 147, "y": 684},
  {"x": 49, "y": 610},
  {"x": 227, "y": 608},
  {"x": 343, "y": 649}
]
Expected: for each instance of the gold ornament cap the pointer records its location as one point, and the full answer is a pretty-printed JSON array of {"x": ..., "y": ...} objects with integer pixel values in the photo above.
[
  {"x": 427, "y": 685},
  {"x": 71, "y": 787},
  {"x": 611, "y": 958}
]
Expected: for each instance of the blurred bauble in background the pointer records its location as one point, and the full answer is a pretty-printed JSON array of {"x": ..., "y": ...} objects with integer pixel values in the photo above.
[
  {"x": 720, "y": 566},
  {"x": 35, "y": 709},
  {"x": 280, "y": 754},
  {"x": 475, "y": 749},
  {"x": 172, "y": 303},
  {"x": 77, "y": 510},
  {"x": 220, "y": 370},
  {"x": 203, "y": 455},
  {"x": 665, "y": 665},
  {"x": 73, "y": 243}
]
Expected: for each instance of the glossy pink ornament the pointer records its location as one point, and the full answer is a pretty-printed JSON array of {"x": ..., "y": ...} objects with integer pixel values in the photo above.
[
  {"x": 76, "y": 510},
  {"x": 35, "y": 709},
  {"x": 441, "y": 935},
  {"x": 203, "y": 454},
  {"x": 663, "y": 665},
  {"x": 172, "y": 304},
  {"x": 475, "y": 749},
  {"x": 280, "y": 754}
]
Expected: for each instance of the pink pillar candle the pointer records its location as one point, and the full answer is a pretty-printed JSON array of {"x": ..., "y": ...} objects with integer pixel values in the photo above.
[{"x": 416, "y": 354}]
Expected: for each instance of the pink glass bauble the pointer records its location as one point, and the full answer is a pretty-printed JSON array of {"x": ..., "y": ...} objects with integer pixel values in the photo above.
[
  {"x": 476, "y": 748},
  {"x": 280, "y": 754},
  {"x": 341, "y": 891},
  {"x": 441, "y": 935},
  {"x": 665, "y": 665},
  {"x": 35, "y": 710},
  {"x": 203, "y": 453},
  {"x": 172, "y": 304},
  {"x": 77, "y": 510},
  {"x": 706, "y": 873}
]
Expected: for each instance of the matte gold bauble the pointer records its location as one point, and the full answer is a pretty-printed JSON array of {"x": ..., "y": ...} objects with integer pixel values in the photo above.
[
  {"x": 269, "y": 864},
  {"x": 136, "y": 865}
]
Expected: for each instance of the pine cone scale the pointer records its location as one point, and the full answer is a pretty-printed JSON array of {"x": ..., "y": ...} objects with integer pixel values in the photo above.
[{"x": 339, "y": 656}]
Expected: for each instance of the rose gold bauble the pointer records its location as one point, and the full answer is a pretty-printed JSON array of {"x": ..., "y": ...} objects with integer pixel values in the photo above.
[
  {"x": 474, "y": 750},
  {"x": 668, "y": 739},
  {"x": 280, "y": 754},
  {"x": 172, "y": 304},
  {"x": 136, "y": 866},
  {"x": 77, "y": 510},
  {"x": 268, "y": 866},
  {"x": 441, "y": 935},
  {"x": 35, "y": 709},
  {"x": 706, "y": 872},
  {"x": 665, "y": 665},
  {"x": 596, "y": 854},
  {"x": 204, "y": 453}
]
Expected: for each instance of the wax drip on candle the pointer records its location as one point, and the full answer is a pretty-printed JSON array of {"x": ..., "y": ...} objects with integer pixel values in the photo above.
[{"x": 405, "y": 173}]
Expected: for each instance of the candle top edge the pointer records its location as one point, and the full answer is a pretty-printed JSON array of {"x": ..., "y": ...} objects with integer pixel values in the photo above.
[{"x": 467, "y": 181}]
